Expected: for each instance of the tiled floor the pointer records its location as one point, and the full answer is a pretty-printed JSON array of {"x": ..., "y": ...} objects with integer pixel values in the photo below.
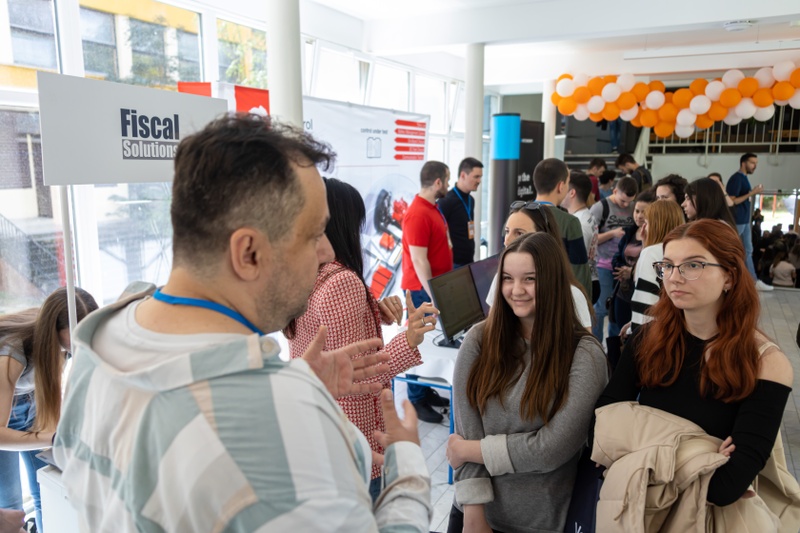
[{"x": 780, "y": 315}]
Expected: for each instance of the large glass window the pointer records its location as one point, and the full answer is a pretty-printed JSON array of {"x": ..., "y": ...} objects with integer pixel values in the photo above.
[
  {"x": 32, "y": 33},
  {"x": 99, "y": 43},
  {"x": 242, "y": 54},
  {"x": 389, "y": 88},
  {"x": 430, "y": 98},
  {"x": 338, "y": 77},
  {"x": 31, "y": 240},
  {"x": 188, "y": 55}
]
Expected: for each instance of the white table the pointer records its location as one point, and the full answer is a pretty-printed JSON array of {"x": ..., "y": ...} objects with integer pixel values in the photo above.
[
  {"x": 57, "y": 513},
  {"x": 436, "y": 370}
]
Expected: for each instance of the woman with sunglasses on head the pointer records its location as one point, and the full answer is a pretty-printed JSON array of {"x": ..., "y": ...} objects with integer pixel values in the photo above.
[
  {"x": 660, "y": 218},
  {"x": 342, "y": 301},
  {"x": 532, "y": 217},
  {"x": 524, "y": 386},
  {"x": 33, "y": 349},
  {"x": 706, "y": 199},
  {"x": 703, "y": 358}
]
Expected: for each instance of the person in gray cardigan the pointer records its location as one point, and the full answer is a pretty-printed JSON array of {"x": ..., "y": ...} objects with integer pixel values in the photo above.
[{"x": 524, "y": 389}]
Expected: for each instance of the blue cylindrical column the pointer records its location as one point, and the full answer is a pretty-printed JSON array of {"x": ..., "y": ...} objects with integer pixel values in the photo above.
[{"x": 504, "y": 152}]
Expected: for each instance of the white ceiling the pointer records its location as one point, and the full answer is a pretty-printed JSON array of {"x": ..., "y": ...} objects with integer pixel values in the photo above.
[{"x": 528, "y": 42}]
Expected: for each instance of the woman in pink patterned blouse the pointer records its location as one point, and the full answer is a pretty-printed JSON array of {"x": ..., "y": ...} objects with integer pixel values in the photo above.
[{"x": 342, "y": 301}]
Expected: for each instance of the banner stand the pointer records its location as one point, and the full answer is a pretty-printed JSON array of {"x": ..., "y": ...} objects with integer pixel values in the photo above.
[{"x": 69, "y": 263}]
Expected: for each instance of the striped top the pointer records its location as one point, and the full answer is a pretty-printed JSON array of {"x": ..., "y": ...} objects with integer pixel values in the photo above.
[
  {"x": 647, "y": 287},
  {"x": 214, "y": 433}
]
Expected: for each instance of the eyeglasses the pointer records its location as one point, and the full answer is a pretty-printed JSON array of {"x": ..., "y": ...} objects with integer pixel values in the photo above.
[
  {"x": 690, "y": 270},
  {"x": 533, "y": 205}
]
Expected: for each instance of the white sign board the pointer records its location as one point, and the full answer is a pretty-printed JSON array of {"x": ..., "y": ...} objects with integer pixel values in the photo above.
[
  {"x": 380, "y": 152},
  {"x": 96, "y": 132}
]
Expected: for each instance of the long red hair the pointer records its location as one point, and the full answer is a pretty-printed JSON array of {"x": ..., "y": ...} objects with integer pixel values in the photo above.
[{"x": 731, "y": 371}]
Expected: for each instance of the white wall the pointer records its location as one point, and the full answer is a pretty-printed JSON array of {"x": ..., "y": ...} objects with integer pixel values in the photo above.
[{"x": 774, "y": 171}]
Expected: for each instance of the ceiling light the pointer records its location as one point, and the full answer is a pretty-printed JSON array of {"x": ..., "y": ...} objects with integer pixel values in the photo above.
[{"x": 737, "y": 25}]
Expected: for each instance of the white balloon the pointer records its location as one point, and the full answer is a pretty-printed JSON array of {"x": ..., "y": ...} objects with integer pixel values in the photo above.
[
  {"x": 764, "y": 113},
  {"x": 746, "y": 108},
  {"x": 732, "y": 118},
  {"x": 626, "y": 82},
  {"x": 596, "y": 104},
  {"x": 629, "y": 114},
  {"x": 781, "y": 102},
  {"x": 700, "y": 104},
  {"x": 794, "y": 101},
  {"x": 684, "y": 131},
  {"x": 764, "y": 77},
  {"x": 685, "y": 118},
  {"x": 580, "y": 80},
  {"x": 581, "y": 113},
  {"x": 655, "y": 99},
  {"x": 611, "y": 92},
  {"x": 565, "y": 87},
  {"x": 783, "y": 71},
  {"x": 732, "y": 78},
  {"x": 714, "y": 89}
]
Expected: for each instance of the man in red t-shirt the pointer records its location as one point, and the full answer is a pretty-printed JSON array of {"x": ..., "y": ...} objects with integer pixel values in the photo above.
[{"x": 427, "y": 253}]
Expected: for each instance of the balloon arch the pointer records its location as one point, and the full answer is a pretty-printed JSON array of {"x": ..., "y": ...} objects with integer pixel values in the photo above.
[{"x": 730, "y": 99}]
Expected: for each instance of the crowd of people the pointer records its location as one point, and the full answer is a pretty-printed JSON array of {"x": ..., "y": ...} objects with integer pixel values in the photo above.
[{"x": 180, "y": 415}]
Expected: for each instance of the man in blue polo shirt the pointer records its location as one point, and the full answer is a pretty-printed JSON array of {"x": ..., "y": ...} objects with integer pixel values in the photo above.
[{"x": 740, "y": 191}]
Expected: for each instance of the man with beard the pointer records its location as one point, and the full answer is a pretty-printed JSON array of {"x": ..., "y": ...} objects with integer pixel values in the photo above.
[
  {"x": 180, "y": 414},
  {"x": 427, "y": 253}
]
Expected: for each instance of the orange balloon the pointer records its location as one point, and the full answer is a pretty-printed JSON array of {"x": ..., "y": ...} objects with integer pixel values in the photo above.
[
  {"x": 717, "y": 111},
  {"x": 555, "y": 98},
  {"x": 609, "y": 79},
  {"x": 664, "y": 129},
  {"x": 626, "y": 100},
  {"x": 794, "y": 79},
  {"x": 565, "y": 75},
  {"x": 682, "y": 98},
  {"x": 748, "y": 87},
  {"x": 611, "y": 111},
  {"x": 656, "y": 85},
  {"x": 640, "y": 91},
  {"x": 668, "y": 112},
  {"x": 730, "y": 98},
  {"x": 649, "y": 118},
  {"x": 582, "y": 95},
  {"x": 668, "y": 96},
  {"x": 596, "y": 86},
  {"x": 567, "y": 106},
  {"x": 698, "y": 86},
  {"x": 637, "y": 121},
  {"x": 783, "y": 90},
  {"x": 704, "y": 121},
  {"x": 763, "y": 97},
  {"x": 595, "y": 117}
]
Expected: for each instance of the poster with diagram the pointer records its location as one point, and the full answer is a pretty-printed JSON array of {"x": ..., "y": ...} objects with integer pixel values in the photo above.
[{"x": 380, "y": 152}]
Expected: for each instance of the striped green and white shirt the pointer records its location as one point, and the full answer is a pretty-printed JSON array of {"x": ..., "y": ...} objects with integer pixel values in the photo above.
[{"x": 214, "y": 433}]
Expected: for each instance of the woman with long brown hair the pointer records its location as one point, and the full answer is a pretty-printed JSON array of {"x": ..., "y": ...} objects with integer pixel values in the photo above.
[
  {"x": 33, "y": 345},
  {"x": 660, "y": 218},
  {"x": 703, "y": 358},
  {"x": 524, "y": 387}
]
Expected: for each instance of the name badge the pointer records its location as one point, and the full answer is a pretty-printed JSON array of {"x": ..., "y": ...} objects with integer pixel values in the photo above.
[{"x": 471, "y": 229}]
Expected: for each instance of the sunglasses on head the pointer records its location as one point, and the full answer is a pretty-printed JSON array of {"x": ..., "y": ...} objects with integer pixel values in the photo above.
[{"x": 533, "y": 205}]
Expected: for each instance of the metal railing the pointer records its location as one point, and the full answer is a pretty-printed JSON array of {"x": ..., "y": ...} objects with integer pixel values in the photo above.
[
  {"x": 780, "y": 134},
  {"x": 29, "y": 257}
]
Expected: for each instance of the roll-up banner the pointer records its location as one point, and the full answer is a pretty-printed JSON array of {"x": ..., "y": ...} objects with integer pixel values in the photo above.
[
  {"x": 530, "y": 154},
  {"x": 99, "y": 132},
  {"x": 504, "y": 153},
  {"x": 380, "y": 152}
]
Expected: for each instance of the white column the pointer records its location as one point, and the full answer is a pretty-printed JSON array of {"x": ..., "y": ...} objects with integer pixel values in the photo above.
[
  {"x": 285, "y": 78},
  {"x": 122, "y": 27},
  {"x": 473, "y": 135},
  {"x": 210, "y": 48},
  {"x": 6, "y": 57},
  {"x": 549, "y": 119}
]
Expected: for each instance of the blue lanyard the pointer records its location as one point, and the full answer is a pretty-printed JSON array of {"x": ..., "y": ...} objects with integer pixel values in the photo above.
[
  {"x": 206, "y": 304},
  {"x": 546, "y": 203},
  {"x": 465, "y": 204}
]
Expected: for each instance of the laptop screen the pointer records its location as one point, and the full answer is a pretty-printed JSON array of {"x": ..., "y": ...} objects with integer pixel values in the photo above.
[{"x": 455, "y": 296}]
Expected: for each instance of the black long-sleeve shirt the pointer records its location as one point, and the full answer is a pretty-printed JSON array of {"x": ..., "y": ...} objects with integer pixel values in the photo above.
[{"x": 753, "y": 422}]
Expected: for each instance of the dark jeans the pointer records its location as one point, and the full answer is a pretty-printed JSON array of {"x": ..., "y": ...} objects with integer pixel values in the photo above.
[
  {"x": 417, "y": 393},
  {"x": 22, "y": 416},
  {"x": 456, "y": 523}
]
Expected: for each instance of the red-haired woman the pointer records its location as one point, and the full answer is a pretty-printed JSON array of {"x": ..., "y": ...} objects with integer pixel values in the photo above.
[{"x": 703, "y": 358}]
